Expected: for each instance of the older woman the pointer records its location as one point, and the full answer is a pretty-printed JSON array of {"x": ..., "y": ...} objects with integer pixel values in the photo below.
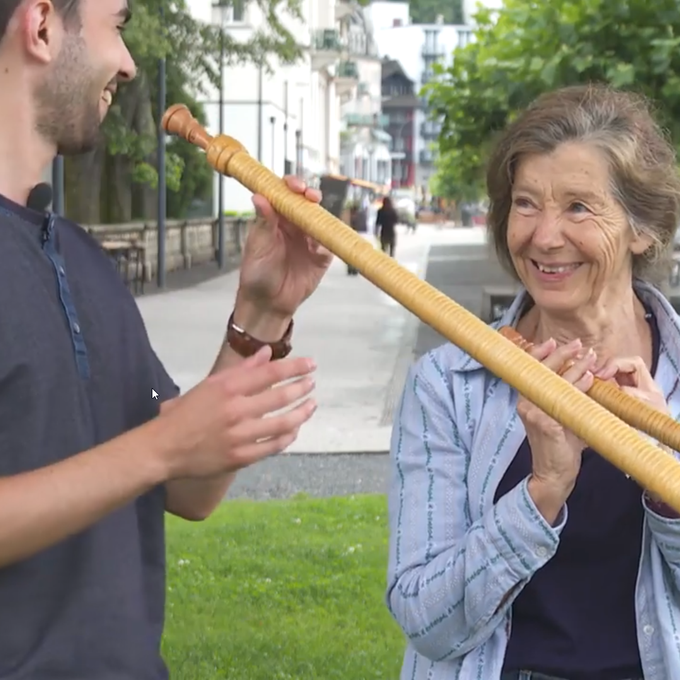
[{"x": 514, "y": 552}]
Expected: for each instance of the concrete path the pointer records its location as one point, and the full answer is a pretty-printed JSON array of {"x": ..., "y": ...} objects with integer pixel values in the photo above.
[{"x": 361, "y": 339}]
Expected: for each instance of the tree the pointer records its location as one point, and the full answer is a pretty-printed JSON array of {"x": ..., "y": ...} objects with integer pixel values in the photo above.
[
  {"x": 427, "y": 11},
  {"x": 116, "y": 182},
  {"x": 534, "y": 46}
]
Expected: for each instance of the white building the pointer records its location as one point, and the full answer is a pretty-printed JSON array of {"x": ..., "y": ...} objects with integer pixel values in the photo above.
[
  {"x": 288, "y": 119},
  {"x": 364, "y": 142},
  {"x": 416, "y": 47}
]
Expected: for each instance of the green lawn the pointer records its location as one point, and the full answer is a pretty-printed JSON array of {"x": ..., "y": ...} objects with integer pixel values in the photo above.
[{"x": 282, "y": 590}]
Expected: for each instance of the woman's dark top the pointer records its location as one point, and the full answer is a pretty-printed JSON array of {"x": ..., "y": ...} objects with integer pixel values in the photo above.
[
  {"x": 386, "y": 222},
  {"x": 576, "y": 617}
]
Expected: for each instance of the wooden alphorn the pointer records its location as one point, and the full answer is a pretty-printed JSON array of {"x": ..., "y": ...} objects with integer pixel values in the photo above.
[
  {"x": 652, "y": 467},
  {"x": 637, "y": 413}
]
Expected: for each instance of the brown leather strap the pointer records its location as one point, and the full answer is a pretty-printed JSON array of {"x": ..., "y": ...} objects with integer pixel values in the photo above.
[{"x": 246, "y": 345}]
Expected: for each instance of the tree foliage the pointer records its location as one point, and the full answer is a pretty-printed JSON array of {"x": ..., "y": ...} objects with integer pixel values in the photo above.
[
  {"x": 534, "y": 46},
  {"x": 117, "y": 182}
]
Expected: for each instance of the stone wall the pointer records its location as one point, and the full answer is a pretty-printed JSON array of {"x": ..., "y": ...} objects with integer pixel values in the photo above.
[{"x": 188, "y": 243}]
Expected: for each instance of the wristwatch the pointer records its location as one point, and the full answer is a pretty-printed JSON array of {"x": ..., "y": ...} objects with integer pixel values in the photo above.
[{"x": 246, "y": 345}]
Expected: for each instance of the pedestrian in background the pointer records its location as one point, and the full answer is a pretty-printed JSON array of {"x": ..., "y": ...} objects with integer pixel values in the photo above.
[{"x": 386, "y": 226}]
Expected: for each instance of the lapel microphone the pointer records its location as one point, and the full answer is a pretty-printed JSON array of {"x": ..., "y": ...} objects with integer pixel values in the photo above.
[{"x": 40, "y": 197}]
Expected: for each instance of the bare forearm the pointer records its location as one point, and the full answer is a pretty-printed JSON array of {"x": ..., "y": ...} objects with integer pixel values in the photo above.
[
  {"x": 196, "y": 499},
  {"x": 41, "y": 508}
]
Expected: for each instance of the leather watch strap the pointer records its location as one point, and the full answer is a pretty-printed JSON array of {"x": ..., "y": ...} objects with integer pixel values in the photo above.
[{"x": 246, "y": 345}]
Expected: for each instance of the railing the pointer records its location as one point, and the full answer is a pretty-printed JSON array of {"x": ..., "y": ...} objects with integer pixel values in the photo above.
[
  {"x": 429, "y": 130},
  {"x": 326, "y": 40},
  {"x": 367, "y": 120},
  {"x": 348, "y": 69},
  {"x": 432, "y": 52},
  {"x": 134, "y": 246}
]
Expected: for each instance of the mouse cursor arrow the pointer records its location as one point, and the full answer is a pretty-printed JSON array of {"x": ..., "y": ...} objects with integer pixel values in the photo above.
[{"x": 154, "y": 394}]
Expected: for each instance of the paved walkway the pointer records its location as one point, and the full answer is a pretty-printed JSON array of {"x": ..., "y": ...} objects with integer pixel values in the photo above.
[{"x": 361, "y": 339}]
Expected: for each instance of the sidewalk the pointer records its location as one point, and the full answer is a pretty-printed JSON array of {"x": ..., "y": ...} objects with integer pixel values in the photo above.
[{"x": 361, "y": 339}]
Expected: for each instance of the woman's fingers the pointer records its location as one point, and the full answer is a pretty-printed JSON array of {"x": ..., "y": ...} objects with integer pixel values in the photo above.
[
  {"x": 630, "y": 371},
  {"x": 580, "y": 373}
]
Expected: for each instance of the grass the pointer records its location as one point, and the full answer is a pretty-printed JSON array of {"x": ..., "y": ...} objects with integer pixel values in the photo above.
[{"x": 282, "y": 590}]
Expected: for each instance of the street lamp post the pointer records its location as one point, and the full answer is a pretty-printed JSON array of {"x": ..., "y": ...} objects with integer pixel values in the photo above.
[
  {"x": 220, "y": 178},
  {"x": 272, "y": 122},
  {"x": 162, "y": 197},
  {"x": 298, "y": 153}
]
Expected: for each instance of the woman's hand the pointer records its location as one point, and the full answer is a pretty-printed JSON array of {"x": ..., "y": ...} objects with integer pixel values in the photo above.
[
  {"x": 633, "y": 377},
  {"x": 556, "y": 452}
]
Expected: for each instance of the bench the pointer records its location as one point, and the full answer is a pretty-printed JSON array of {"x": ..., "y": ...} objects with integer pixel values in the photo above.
[
  {"x": 496, "y": 300},
  {"x": 128, "y": 257}
]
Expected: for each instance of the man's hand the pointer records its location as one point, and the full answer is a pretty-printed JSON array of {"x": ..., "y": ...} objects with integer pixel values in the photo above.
[
  {"x": 232, "y": 419},
  {"x": 280, "y": 269}
]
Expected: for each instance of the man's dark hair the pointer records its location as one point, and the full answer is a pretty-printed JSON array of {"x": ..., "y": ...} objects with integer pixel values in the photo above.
[{"x": 67, "y": 8}]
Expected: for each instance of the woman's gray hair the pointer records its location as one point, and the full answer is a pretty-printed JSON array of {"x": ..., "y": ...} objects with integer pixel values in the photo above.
[{"x": 643, "y": 166}]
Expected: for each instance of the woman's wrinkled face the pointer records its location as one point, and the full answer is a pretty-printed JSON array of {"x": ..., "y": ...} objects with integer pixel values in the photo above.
[{"x": 569, "y": 239}]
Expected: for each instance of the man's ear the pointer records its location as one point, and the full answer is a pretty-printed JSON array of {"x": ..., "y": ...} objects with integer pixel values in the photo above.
[{"x": 40, "y": 29}]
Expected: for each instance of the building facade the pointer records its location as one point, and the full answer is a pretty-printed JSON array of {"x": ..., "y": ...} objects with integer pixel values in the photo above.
[
  {"x": 400, "y": 106},
  {"x": 287, "y": 116},
  {"x": 364, "y": 141},
  {"x": 417, "y": 47}
]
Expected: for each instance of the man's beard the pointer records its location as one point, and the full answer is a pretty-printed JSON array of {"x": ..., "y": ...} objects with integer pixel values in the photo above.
[{"x": 68, "y": 102}]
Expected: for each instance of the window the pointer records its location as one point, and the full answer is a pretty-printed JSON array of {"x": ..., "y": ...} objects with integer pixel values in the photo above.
[{"x": 230, "y": 11}]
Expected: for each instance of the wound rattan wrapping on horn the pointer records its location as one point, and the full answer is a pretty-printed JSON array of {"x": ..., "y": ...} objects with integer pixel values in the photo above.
[
  {"x": 637, "y": 413},
  {"x": 616, "y": 441}
]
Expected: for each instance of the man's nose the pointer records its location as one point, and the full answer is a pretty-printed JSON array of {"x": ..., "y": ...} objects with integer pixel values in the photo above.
[{"x": 128, "y": 70}]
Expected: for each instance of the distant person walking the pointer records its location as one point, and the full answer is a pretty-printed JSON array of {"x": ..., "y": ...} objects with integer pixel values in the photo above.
[{"x": 386, "y": 226}]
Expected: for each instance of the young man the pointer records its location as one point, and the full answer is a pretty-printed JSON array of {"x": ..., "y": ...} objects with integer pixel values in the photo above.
[{"x": 88, "y": 460}]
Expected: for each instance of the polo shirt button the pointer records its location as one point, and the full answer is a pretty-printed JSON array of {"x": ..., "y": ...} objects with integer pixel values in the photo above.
[
  {"x": 541, "y": 551},
  {"x": 648, "y": 630},
  {"x": 76, "y": 328},
  {"x": 62, "y": 271}
]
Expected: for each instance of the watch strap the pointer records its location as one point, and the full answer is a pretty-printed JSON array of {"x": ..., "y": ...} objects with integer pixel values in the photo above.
[{"x": 246, "y": 345}]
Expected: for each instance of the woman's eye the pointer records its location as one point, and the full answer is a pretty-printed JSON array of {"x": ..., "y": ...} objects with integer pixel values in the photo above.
[
  {"x": 577, "y": 207},
  {"x": 522, "y": 202}
]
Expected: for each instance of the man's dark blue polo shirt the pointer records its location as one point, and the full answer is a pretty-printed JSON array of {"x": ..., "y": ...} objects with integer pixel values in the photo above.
[{"x": 76, "y": 370}]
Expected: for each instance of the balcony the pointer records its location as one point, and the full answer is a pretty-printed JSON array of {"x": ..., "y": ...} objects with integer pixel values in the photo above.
[
  {"x": 343, "y": 9},
  {"x": 426, "y": 157},
  {"x": 346, "y": 77},
  {"x": 325, "y": 48},
  {"x": 432, "y": 52},
  {"x": 366, "y": 120},
  {"x": 429, "y": 131},
  {"x": 359, "y": 44}
]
